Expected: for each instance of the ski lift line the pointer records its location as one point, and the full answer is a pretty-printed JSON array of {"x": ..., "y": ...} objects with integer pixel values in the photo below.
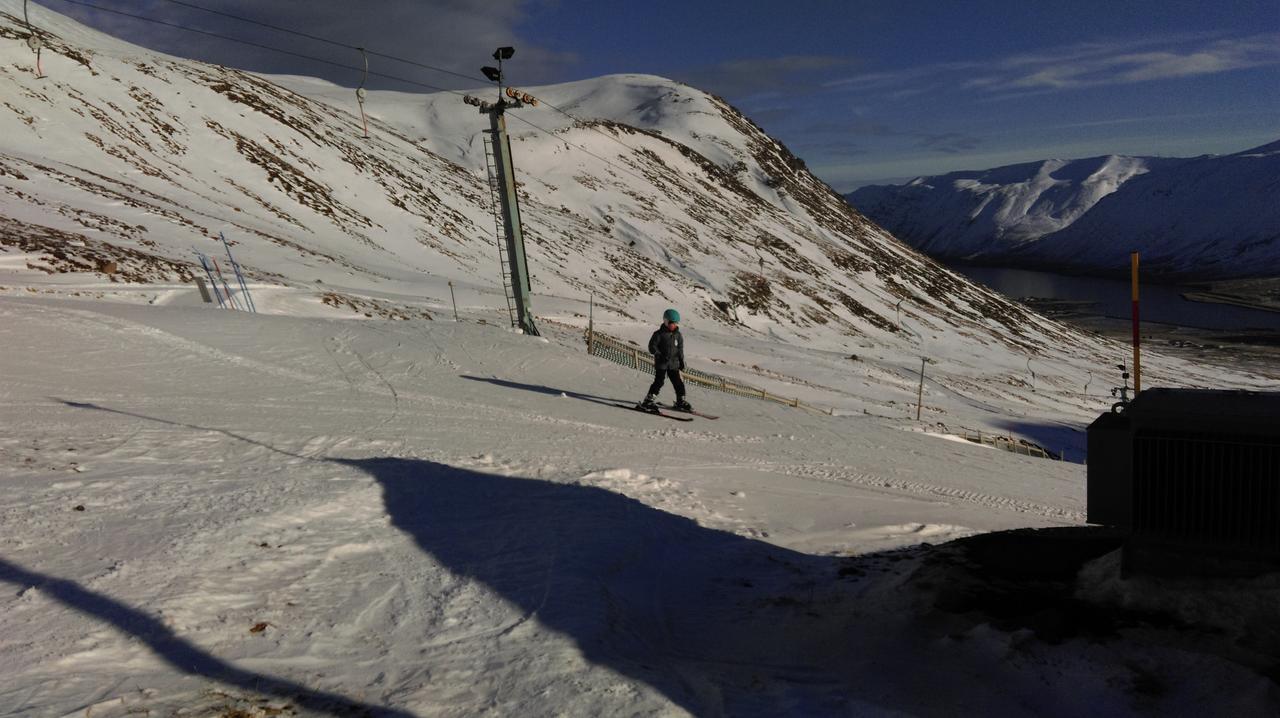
[
  {"x": 364, "y": 71},
  {"x": 317, "y": 38},
  {"x": 259, "y": 46},
  {"x": 584, "y": 149},
  {"x": 33, "y": 41},
  {"x": 360, "y": 92},
  {"x": 335, "y": 43},
  {"x": 591, "y": 127},
  {"x": 363, "y": 50},
  {"x": 365, "y": 77}
]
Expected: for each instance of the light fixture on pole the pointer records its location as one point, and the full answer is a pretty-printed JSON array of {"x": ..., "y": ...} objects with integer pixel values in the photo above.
[{"x": 503, "y": 185}]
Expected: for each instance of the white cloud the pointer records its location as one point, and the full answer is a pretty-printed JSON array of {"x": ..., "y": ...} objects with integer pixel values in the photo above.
[
  {"x": 1091, "y": 64},
  {"x": 1126, "y": 68}
]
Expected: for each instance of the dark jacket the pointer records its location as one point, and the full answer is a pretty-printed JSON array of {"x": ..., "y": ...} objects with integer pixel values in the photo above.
[{"x": 667, "y": 348}]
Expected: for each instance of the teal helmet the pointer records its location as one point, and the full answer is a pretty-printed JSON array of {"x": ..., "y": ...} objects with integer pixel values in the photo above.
[{"x": 671, "y": 315}]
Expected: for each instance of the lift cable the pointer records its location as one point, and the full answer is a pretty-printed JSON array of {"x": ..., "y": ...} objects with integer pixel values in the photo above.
[
  {"x": 587, "y": 125},
  {"x": 317, "y": 38},
  {"x": 372, "y": 73},
  {"x": 335, "y": 43},
  {"x": 553, "y": 135},
  {"x": 261, "y": 46}
]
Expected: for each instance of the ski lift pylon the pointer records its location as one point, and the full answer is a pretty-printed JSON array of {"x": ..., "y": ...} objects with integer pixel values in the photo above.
[
  {"x": 519, "y": 96},
  {"x": 361, "y": 94},
  {"x": 33, "y": 40}
]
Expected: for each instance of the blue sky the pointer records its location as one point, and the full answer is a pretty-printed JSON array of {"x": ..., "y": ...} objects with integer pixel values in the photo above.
[{"x": 863, "y": 91}]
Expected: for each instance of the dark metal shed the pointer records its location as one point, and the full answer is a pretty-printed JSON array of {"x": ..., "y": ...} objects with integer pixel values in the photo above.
[{"x": 1194, "y": 474}]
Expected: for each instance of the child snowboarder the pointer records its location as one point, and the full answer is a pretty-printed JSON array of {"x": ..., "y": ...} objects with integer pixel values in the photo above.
[{"x": 667, "y": 347}]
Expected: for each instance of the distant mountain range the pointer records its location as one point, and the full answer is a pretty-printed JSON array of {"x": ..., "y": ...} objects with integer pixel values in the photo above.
[{"x": 1209, "y": 217}]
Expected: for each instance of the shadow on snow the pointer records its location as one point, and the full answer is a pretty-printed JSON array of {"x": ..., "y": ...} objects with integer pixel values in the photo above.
[
  {"x": 1058, "y": 439},
  {"x": 540, "y": 389},
  {"x": 649, "y": 594},
  {"x": 716, "y": 622},
  {"x": 700, "y": 615},
  {"x": 180, "y": 653}
]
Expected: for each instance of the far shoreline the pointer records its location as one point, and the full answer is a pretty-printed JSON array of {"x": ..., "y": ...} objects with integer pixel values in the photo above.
[{"x": 1247, "y": 302}]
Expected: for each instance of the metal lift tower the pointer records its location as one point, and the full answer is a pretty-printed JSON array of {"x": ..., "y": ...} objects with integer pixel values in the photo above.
[{"x": 502, "y": 188}]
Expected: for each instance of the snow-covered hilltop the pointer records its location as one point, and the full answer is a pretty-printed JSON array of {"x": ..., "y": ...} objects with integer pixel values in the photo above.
[
  {"x": 656, "y": 195},
  {"x": 1204, "y": 217}
]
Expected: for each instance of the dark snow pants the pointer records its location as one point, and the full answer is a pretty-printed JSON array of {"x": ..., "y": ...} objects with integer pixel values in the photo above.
[{"x": 673, "y": 375}]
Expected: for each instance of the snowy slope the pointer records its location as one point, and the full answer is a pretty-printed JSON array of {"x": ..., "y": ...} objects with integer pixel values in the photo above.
[
  {"x": 260, "y": 515},
  {"x": 121, "y": 151},
  {"x": 1212, "y": 216}
]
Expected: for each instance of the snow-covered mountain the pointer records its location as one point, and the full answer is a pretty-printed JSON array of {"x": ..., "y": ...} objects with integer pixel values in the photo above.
[
  {"x": 1204, "y": 217},
  {"x": 635, "y": 190},
  {"x": 643, "y": 193},
  {"x": 656, "y": 195}
]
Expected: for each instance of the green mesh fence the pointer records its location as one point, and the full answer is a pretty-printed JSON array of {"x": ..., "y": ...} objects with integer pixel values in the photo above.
[
  {"x": 638, "y": 358},
  {"x": 630, "y": 355}
]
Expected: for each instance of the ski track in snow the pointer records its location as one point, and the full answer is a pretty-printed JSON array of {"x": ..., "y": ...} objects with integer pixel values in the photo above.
[
  {"x": 837, "y": 474},
  {"x": 197, "y": 349},
  {"x": 302, "y": 444}
]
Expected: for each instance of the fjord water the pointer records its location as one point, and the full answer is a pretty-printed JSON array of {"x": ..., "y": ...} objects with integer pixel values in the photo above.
[{"x": 1160, "y": 303}]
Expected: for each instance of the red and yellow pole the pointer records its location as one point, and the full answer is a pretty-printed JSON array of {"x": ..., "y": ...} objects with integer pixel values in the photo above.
[{"x": 1137, "y": 338}]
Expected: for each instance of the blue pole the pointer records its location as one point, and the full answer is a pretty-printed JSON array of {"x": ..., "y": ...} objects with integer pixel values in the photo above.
[
  {"x": 204, "y": 263},
  {"x": 244, "y": 289},
  {"x": 225, "y": 287}
]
